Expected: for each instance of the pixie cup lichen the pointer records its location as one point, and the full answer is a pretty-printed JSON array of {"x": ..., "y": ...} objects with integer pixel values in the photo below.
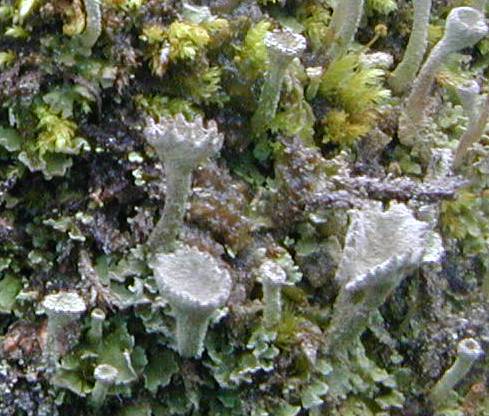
[
  {"x": 273, "y": 278},
  {"x": 182, "y": 146},
  {"x": 315, "y": 75},
  {"x": 61, "y": 308},
  {"x": 97, "y": 318},
  {"x": 465, "y": 26},
  {"x": 381, "y": 248},
  {"x": 105, "y": 377},
  {"x": 283, "y": 46},
  {"x": 468, "y": 351},
  {"x": 195, "y": 286}
]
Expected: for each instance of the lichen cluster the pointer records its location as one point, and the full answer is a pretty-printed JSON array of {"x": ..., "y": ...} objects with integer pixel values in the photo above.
[{"x": 244, "y": 208}]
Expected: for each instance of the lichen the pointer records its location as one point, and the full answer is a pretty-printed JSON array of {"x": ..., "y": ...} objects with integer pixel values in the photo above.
[{"x": 81, "y": 190}]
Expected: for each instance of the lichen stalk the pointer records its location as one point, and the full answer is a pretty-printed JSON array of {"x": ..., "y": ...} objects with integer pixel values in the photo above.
[
  {"x": 195, "y": 285},
  {"x": 272, "y": 312},
  {"x": 375, "y": 261},
  {"x": 314, "y": 74},
  {"x": 283, "y": 47},
  {"x": 344, "y": 24},
  {"x": 93, "y": 25},
  {"x": 55, "y": 329},
  {"x": 406, "y": 71},
  {"x": 469, "y": 95},
  {"x": 465, "y": 26},
  {"x": 273, "y": 278},
  {"x": 99, "y": 393},
  {"x": 105, "y": 377},
  {"x": 474, "y": 132},
  {"x": 416, "y": 102},
  {"x": 269, "y": 97},
  {"x": 61, "y": 308},
  {"x": 182, "y": 146},
  {"x": 166, "y": 232},
  {"x": 190, "y": 332},
  {"x": 97, "y": 318},
  {"x": 468, "y": 352}
]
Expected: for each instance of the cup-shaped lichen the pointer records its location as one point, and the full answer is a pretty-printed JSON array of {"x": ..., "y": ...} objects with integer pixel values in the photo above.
[
  {"x": 344, "y": 24},
  {"x": 97, "y": 318},
  {"x": 273, "y": 278},
  {"x": 195, "y": 285},
  {"x": 464, "y": 27},
  {"x": 105, "y": 376},
  {"x": 406, "y": 71},
  {"x": 468, "y": 351},
  {"x": 315, "y": 74},
  {"x": 381, "y": 248},
  {"x": 182, "y": 146},
  {"x": 283, "y": 46},
  {"x": 61, "y": 308}
]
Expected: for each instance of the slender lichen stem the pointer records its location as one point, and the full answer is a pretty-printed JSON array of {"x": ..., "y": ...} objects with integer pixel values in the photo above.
[
  {"x": 95, "y": 333},
  {"x": 99, "y": 393},
  {"x": 344, "y": 25},
  {"x": 416, "y": 102},
  {"x": 190, "y": 333},
  {"x": 269, "y": 96},
  {"x": 469, "y": 95},
  {"x": 55, "y": 327},
  {"x": 474, "y": 132},
  {"x": 105, "y": 377},
  {"x": 178, "y": 184},
  {"x": 468, "y": 352},
  {"x": 465, "y": 26},
  {"x": 273, "y": 305},
  {"x": 406, "y": 71},
  {"x": 93, "y": 26}
]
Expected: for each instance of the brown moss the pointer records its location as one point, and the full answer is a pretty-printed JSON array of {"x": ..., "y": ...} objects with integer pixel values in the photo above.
[{"x": 219, "y": 204}]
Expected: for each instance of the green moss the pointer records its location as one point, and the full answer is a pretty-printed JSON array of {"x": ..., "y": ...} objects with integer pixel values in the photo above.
[
  {"x": 315, "y": 18},
  {"x": 381, "y": 6},
  {"x": 187, "y": 40},
  {"x": 356, "y": 92},
  {"x": 55, "y": 133},
  {"x": 252, "y": 56}
]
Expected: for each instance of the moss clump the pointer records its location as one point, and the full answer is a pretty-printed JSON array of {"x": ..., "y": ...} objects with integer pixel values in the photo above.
[{"x": 356, "y": 93}]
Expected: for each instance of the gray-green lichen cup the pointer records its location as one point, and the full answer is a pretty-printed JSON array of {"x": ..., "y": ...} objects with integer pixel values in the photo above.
[
  {"x": 62, "y": 308},
  {"x": 195, "y": 285}
]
